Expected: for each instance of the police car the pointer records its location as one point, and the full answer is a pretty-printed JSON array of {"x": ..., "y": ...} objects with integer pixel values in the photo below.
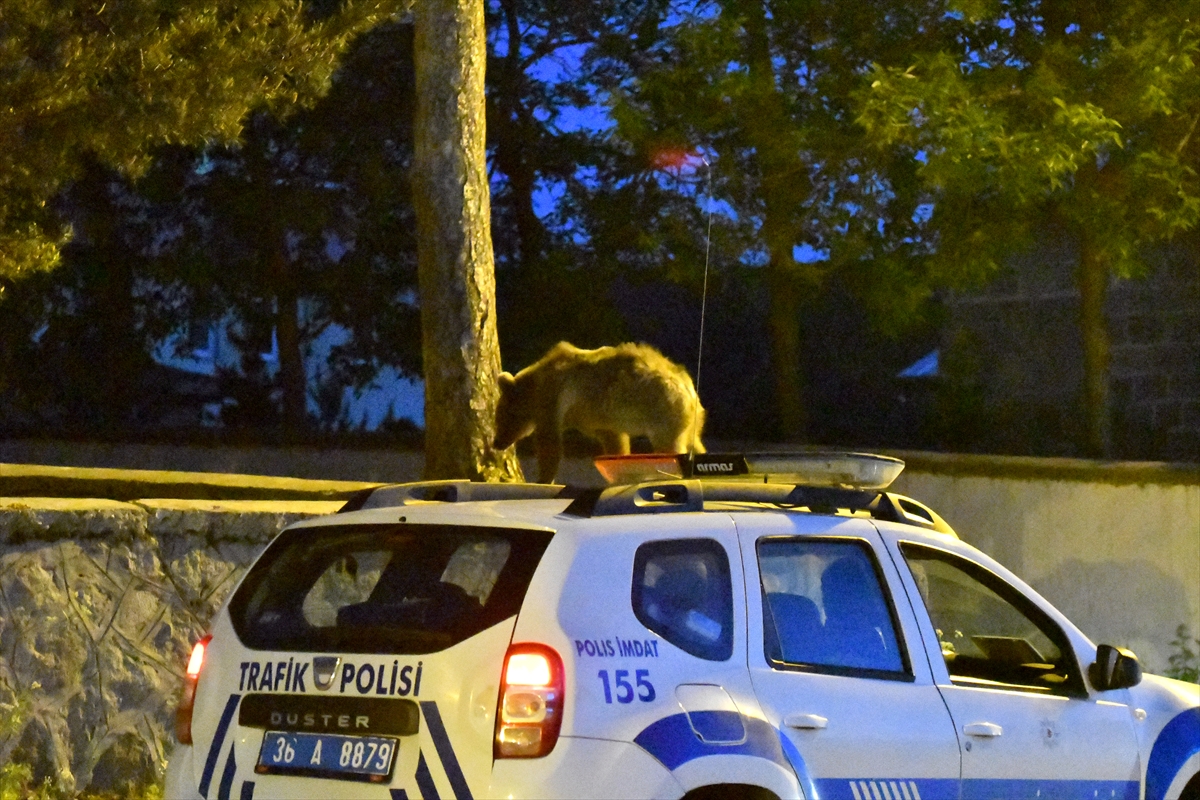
[{"x": 760, "y": 626}]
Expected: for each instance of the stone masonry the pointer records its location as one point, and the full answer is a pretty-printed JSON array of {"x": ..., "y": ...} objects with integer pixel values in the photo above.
[{"x": 100, "y": 602}]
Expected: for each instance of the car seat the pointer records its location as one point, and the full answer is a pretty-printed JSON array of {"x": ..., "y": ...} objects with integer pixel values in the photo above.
[
  {"x": 857, "y": 624},
  {"x": 794, "y": 632}
]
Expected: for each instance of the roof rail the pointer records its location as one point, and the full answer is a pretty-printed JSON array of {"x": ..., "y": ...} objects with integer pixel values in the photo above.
[
  {"x": 657, "y": 497},
  {"x": 910, "y": 512},
  {"x": 452, "y": 491}
]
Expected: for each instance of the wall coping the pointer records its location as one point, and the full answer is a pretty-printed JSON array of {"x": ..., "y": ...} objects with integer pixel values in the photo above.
[
  {"x": 1029, "y": 468},
  {"x": 26, "y": 521},
  {"x": 35, "y": 480},
  {"x": 150, "y": 505},
  {"x": 314, "y": 507}
]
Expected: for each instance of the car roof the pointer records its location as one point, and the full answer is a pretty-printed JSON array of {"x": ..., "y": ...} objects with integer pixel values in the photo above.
[{"x": 548, "y": 505}]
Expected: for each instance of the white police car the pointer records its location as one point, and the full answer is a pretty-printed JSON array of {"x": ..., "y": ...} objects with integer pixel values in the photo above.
[{"x": 752, "y": 626}]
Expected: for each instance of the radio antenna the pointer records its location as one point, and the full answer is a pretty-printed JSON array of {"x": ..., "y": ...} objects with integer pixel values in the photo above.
[
  {"x": 703, "y": 303},
  {"x": 704, "y": 290}
]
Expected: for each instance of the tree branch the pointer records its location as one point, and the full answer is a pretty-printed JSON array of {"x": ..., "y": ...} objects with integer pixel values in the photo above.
[
  {"x": 551, "y": 45},
  {"x": 1187, "y": 137}
]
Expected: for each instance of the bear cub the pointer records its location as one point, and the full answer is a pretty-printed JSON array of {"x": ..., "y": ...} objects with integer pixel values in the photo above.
[{"x": 610, "y": 394}]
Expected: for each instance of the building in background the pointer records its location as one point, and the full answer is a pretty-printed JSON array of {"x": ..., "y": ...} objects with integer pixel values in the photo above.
[
  {"x": 1013, "y": 358},
  {"x": 192, "y": 356}
]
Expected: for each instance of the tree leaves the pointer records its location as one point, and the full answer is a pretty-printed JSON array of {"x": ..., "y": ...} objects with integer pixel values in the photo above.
[
  {"x": 1028, "y": 124},
  {"x": 114, "y": 80}
]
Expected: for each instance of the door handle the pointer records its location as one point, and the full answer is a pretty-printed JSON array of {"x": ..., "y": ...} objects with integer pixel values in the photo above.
[
  {"x": 982, "y": 729},
  {"x": 805, "y": 721}
]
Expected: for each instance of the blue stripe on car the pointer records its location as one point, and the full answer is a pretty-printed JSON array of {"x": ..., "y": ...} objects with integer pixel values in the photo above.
[
  {"x": 1176, "y": 743},
  {"x": 227, "y": 776},
  {"x": 798, "y": 766},
  {"x": 214, "y": 751},
  {"x": 458, "y": 781},
  {"x": 247, "y": 790},
  {"x": 672, "y": 741},
  {"x": 972, "y": 789},
  {"x": 425, "y": 779},
  {"x": 1048, "y": 789},
  {"x": 717, "y": 727}
]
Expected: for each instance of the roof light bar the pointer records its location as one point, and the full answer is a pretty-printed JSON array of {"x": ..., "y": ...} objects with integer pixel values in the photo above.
[{"x": 830, "y": 469}]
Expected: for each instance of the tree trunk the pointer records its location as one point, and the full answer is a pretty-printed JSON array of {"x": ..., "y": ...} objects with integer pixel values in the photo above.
[
  {"x": 293, "y": 379},
  {"x": 777, "y": 170},
  {"x": 455, "y": 271},
  {"x": 116, "y": 315},
  {"x": 786, "y": 352},
  {"x": 1093, "y": 291}
]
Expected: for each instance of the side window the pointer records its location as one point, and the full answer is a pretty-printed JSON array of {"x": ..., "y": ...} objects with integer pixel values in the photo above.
[
  {"x": 824, "y": 608},
  {"x": 990, "y": 634},
  {"x": 682, "y": 592}
]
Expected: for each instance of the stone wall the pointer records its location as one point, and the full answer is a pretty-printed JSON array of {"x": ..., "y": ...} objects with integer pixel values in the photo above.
[{"x": 100, "y": 602}]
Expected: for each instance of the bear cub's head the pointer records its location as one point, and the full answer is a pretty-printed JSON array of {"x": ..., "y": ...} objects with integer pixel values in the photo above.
[{"x": 515, "y": 412}]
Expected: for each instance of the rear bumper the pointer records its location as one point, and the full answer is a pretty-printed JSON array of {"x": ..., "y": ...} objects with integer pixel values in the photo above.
[
  {"x": 577, "y": 769},
  {"x": 585, "y": 769},
  {"x": 180, "y": 778}
]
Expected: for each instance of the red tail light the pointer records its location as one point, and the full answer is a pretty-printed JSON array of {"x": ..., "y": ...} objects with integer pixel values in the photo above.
[
  {"x": 529, "y": 715},
  {"x": 183, "y": 714}
]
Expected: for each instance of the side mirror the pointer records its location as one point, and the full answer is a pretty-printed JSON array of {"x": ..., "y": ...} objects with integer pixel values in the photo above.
[{"x": 1115, "y": 668}]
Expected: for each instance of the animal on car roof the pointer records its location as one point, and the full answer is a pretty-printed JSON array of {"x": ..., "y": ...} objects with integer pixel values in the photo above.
[{"x": 611, "y": 394}]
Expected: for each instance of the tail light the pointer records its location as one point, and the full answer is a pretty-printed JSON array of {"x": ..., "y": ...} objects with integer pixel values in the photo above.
[
  {"x": 529, "y": 715},
  {"x": 187, "y": 698}
]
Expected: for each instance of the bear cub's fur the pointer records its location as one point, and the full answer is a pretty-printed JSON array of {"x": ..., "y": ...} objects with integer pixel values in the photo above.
[{"x": 610, "y": 394}]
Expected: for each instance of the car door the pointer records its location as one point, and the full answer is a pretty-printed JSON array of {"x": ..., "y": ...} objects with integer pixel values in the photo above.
[
  {"x": 837, "y": 664},
  {"x": 1015, "y": 688}
]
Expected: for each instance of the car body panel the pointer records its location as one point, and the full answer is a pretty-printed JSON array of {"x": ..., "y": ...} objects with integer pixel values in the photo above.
[
  {"x": 870, "y": 728},
  {"x": 611, "y": 769},
  {"x": 592, "y": 610},
  {"x": 1167, "y": 720},
  {"x": 1041, "y": 743},
  {"x": 644, "y": 718},
  {"x": 455, "y": 689}
]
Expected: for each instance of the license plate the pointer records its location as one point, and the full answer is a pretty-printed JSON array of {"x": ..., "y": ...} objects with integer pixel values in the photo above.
[{"x": 328, "y": 755}]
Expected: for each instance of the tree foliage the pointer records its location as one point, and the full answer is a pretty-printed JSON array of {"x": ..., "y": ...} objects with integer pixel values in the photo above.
[
  {"x": 1051, "y": 118},
  {"x": 303, "y": 224},
  {"x": 307, "y": 223},
  {"x": 1090, "y": 109},
  {"x": 110, "y": 81},
  {"x": 863, "y": 156},
  {"x": 764, "y": 91},
  {"x": 905, "y": 147},
  {"x": 549, "y": 62}
]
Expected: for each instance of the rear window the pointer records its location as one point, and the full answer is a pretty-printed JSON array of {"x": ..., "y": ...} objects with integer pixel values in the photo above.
[{"x": 403, "y": 589}]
